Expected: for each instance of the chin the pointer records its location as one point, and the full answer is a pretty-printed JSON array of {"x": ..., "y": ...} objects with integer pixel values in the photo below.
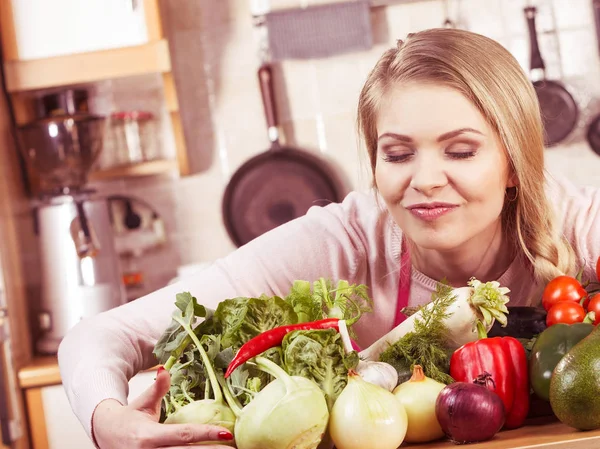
[{"x": 434, "y": 241}]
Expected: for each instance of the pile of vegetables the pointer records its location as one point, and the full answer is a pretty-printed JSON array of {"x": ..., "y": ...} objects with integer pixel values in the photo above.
[
  {"x": 253, "y": 362},
  {"x": 462, "y": 358}
]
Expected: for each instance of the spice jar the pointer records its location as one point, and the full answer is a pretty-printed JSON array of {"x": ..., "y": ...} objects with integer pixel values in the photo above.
[{"x": 134, "y": 137}]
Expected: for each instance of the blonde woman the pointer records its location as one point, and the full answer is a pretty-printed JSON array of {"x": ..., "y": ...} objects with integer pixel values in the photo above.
[{"x": 453, "y": 132}]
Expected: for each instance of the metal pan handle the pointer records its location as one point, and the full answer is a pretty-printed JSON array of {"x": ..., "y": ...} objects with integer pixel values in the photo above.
[
  {"x": 265, "y": 79},
  {"x": 536, "y": 61}
]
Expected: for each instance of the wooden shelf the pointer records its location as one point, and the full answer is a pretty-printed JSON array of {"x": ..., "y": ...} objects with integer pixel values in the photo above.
[
  {"x": 88, "y": 67},
  {"x": 142, "y": 169}
]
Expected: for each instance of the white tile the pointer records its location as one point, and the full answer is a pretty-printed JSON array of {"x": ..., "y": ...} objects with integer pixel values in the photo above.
[
  {"x": 339, "y": 82},
  {"x": 513, "y": 17},
  {"x": 579, "y": 52},
  {"x": 299, "y": 84},
  {"x": 573, "y": 13},
  {"x": 413, "y": 17},
  {"x": 483, "y": 17}
]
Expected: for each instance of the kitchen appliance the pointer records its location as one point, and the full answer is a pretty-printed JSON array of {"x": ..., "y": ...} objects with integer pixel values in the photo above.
[{"x": 79, "y": 265}]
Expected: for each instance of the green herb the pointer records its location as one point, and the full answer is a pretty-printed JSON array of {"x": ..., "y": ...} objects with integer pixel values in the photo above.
[{"x": 425, "y": 345}]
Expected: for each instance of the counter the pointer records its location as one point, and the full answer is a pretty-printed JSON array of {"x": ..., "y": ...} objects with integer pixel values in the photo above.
[{"x": 541, "y": 432}]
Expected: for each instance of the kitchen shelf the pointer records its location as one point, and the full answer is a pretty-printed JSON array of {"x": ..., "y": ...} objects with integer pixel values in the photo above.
[
  {"x": 87, "y": 67},
  {"x": 141, "y": 169}
]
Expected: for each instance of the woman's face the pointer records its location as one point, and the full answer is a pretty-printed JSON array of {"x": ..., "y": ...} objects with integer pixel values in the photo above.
[{"x": 440, "y": 167}]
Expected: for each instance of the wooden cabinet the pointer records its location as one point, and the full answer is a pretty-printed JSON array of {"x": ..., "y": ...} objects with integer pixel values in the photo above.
[
  {"x": 52, "y": 423},
  {"x": 45, "y": 29},
  {"x": 125, "y": 39}
]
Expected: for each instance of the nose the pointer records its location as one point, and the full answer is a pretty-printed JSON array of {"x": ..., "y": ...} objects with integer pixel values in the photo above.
[{"x": 428, "y": 174}]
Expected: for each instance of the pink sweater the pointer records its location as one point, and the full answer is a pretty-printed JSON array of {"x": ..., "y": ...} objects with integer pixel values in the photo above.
[{"x": 355, "y": 240}]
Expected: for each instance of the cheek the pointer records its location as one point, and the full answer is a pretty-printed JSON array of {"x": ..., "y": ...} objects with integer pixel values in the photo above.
[{"x": 390, "y": 180}]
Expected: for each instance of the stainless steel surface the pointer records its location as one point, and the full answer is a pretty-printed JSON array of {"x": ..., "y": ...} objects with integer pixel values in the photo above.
[{"x": 75, "y": 285}]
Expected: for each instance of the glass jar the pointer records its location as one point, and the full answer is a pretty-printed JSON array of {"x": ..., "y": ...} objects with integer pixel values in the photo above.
[{"x": 134, "y": 137}]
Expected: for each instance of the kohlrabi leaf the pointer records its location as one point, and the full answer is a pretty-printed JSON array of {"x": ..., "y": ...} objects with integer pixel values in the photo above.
[
  {"x": 175, "y": 339},
  {"x": 241, "y": 319},
  {"x": 317, "y": 355},
  {"x": 306, "y": 306}
]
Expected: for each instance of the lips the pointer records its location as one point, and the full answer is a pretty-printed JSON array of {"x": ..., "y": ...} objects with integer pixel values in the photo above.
[{"x": 431, "y": 211}]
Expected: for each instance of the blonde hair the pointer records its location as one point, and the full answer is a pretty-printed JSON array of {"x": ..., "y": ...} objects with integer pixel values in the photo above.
[{"x": 490, "y": 77}]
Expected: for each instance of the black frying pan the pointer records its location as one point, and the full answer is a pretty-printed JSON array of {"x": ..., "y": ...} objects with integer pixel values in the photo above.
[
  {"x": 558, "y": 107},
  {"x": 593, "y": 131},
  {"x": 278, "y": 185}
]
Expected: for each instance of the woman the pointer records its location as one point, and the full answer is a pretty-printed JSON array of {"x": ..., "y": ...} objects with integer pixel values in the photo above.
[{"x": 453, "y": 131}]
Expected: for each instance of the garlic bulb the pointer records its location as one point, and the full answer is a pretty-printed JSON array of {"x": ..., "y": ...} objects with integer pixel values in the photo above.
[
  {"x": 378, "y": 373},
  {"x": 366, "y": 416}
]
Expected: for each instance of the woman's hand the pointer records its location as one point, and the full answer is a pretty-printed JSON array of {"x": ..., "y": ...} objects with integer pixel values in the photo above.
[{"x": 136, "y": 426}]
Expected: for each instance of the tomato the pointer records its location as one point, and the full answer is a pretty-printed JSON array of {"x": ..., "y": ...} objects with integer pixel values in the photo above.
[
  {"x": 598, "y": 269},
  {"x": 566, "y": 312},
  {"x": 594, "y": 306},
  {"x": 562, "y": 288}
]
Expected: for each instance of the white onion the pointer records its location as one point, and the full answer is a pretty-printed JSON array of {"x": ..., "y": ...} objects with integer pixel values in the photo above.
[{"x": 366, "y": 416}]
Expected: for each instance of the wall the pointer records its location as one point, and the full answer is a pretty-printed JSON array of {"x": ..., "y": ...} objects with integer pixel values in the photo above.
[{"x": 215, "y": 56}]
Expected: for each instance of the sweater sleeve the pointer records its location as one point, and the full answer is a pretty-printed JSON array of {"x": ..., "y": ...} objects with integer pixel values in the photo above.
[
  {"x": 579, "y": 212},
  {"x": 100, "y": 354}
]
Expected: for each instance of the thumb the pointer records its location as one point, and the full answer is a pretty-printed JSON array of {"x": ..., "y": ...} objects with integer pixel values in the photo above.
[{"x": 150, "y": 400}]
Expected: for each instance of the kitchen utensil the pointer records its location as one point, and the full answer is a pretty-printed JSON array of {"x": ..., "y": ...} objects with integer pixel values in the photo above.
[
  {"x": 60, "y": 151},
  {"x": 559, "y": 110},
  {"x": 278, "y": 185},
  {"x": 593, "y": 130},
  {"x": 319, "y": 31},
  {"x": 134, "y": 137}
]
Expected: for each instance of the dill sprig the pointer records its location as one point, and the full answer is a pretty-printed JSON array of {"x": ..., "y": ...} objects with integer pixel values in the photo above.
[{"x": 425, "y": 345}]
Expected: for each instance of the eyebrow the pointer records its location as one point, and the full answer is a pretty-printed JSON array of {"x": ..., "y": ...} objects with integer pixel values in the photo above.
[{"x": 445, "y": 136}]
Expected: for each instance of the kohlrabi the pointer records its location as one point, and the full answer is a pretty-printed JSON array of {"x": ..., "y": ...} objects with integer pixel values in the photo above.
[
  {"x": 206, "y": 411},
  {"x": 290, "y": 412}
]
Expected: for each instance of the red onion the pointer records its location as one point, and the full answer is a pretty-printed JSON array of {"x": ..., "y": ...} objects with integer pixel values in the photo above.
[{"x": 469, "y": 412}]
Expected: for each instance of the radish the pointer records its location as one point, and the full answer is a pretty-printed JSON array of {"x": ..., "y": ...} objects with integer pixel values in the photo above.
[{"x": 469, "y": 316}]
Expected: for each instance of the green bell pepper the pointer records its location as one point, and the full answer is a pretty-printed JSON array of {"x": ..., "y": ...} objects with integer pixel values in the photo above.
[{"x": 551, "y": 345}]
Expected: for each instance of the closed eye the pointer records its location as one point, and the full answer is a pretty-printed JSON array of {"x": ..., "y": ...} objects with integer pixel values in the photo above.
[
  {"x": 462, "y": 154},
  {"x": 396, "y": 157}
]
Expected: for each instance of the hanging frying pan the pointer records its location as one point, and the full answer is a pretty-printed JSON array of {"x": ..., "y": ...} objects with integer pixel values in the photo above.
[
  {"x": 278, "y": 185},
  {"x": 593, "y": 131},
  {"x": 558, "y": 107}
]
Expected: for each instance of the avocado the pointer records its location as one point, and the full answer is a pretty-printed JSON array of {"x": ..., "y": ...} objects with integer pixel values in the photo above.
[{"x": 575, "y": 385}]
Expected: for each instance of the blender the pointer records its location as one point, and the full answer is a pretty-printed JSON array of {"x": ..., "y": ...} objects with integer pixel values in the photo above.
[{"x": 80, "y": 275}]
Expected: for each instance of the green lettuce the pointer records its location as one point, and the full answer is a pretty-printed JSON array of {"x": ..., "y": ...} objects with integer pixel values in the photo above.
[{"x": 319, "y": 355}]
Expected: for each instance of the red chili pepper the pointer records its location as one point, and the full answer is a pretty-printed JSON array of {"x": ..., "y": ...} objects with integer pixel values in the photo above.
[
  {"x": 274, "y": 337},
  {"x": 500, "y": 364}
]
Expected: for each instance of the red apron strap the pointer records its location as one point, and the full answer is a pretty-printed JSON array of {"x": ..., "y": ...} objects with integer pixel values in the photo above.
[{"x": 403, "y": 283}]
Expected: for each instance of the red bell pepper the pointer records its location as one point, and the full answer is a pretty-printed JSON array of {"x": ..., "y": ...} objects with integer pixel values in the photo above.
[
  {"x": 274, "y": 337},
  {"x": 500, "y": 364}
]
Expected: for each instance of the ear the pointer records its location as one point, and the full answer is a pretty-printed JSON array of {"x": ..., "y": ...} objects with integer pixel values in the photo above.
[{"x": 512, "y": 181}]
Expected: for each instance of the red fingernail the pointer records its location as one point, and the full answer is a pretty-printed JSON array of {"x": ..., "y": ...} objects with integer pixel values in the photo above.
[
  {"x": 160, "y": 369},
  {"x": 225, "y": 436}
]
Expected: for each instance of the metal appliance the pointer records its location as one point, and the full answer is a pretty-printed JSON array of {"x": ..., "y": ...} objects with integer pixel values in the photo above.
[{"x": 79, "y": 264}]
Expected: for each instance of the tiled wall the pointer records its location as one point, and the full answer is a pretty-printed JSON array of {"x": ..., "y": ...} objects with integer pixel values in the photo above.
[{"x": 216, "y": 57}]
